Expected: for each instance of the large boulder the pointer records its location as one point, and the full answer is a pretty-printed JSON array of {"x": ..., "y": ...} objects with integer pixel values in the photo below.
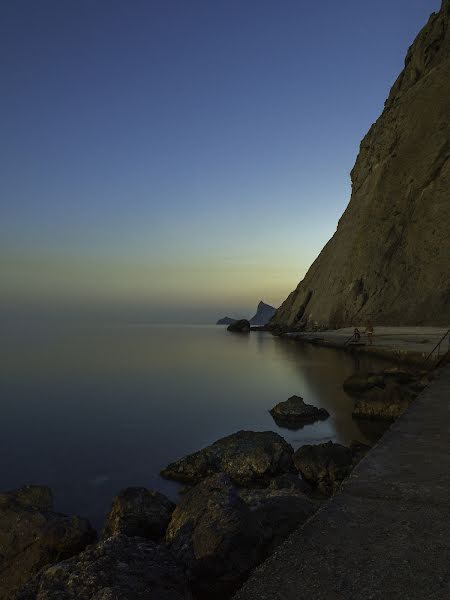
[
  {"x": 248, "y": 457},
  {"x": 279, "y": 511},
  {"x": 137, "y": 511},
  {"x": 119, "y": 568},
  {"x": 325, "y": 466},
  {"x": 214, "y": 533},
  {"x": 384, "y": 404},
  {"x": 294, "y": 413},
  {"x": 32, "y": 535},
  {"x": 290, "y": 481},
  {"x": 240, "y": 326},
  {"x": 221, "y": 532}
]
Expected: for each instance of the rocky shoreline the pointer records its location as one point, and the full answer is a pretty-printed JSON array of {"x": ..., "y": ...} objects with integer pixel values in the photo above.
[{"x": 244, "y": 495}]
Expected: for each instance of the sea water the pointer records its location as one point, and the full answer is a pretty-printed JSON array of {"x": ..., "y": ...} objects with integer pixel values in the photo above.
[{"x": 88, "y": 410}]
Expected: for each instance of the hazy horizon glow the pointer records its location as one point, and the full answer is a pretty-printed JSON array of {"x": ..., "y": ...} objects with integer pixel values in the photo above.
[{"x": 174, "y": 161}]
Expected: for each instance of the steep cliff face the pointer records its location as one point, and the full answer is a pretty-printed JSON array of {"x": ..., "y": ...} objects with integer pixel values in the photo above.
[{"x": 389, "y": 260}]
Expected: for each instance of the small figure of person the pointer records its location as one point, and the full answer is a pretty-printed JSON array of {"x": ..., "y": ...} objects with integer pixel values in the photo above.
[
  {"x": 356, "y": 334},
  {"x": 369, "y": 332}
]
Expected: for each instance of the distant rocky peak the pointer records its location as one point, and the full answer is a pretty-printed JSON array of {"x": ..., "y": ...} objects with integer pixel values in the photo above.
[{"x": 264, "y": 313}]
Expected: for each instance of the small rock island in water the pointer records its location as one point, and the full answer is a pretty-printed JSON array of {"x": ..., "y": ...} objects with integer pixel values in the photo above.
[{"x": 264, "y": 313}]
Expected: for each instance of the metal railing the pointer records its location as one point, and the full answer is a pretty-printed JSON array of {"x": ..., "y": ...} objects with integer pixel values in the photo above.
[{"x": 445, "y": 345}]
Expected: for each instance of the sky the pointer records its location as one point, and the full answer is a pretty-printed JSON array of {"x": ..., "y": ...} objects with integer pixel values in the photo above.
[{"x": 179, "y": 160}]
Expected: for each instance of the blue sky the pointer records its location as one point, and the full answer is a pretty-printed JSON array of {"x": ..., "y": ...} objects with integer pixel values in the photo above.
[{"x": 182, "y": 159}]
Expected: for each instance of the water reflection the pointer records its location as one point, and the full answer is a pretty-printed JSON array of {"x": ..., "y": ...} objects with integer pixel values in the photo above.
[{"x": 90, "y": 410}]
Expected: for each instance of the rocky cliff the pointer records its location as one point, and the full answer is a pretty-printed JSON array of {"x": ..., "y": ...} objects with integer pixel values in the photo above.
[
  {"x": 389, "y": 260},
  {"x": 264, "y": 313}
]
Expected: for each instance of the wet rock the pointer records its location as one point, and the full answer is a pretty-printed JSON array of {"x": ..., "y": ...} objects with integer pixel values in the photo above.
[
  {"x": 290, "y": 481},
  {"x": 279, "y": 511},
  {"x": 240, "y": 326},
  {"x": 248, "y": 457},
  {"x": 119, "y": 568},
  {"x": 361, "y": 382},
  {"x": 325, "y": 466},
  {"x": 216, "y": 535},
  {"x": 294, "y": 413},
  {"x": 137, "y": 511},
  {"x": 32, "y": 535},
  {"x": 384, "y": 404}
]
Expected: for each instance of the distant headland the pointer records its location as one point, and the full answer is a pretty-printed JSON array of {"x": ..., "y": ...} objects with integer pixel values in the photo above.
[{"x": 264, "y": 312}]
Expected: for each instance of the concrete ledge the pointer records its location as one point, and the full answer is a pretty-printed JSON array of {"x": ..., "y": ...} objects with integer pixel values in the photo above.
[
  {"x": 386, "y": 533},
  {"x": 407, "y": 345}
]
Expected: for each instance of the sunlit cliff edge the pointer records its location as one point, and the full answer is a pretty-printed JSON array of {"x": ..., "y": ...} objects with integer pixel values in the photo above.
[{"x": 389, "y": 260}]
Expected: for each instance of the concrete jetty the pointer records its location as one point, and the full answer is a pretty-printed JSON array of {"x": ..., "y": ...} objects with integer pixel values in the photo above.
[
  {"x": 411, "y": 345},
  {"x": 386, "y": 533}
]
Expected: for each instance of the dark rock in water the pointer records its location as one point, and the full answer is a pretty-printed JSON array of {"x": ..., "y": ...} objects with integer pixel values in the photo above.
[
  {"x": 294, "y": 413},
  {"x": 119, "y": 568},
  {"x": 241, "y": 326},
  {"x": 325, "y": 466},
  {"x": 279, "y": 511},
  {"x": 32, "y": 535},
  {"x": 137, "y": 511},
  {"x": 214, "y": 533},
  {"x": 264, "y": 313},
  {"x": 226, "y": 321},
  {"x": 360, "y": 382},
  {"x": 385, "y": 404},
  {"x": 399, "y": 375},
  {"x": 290, "y": 481},
  {"x": 248, "y": 457}
]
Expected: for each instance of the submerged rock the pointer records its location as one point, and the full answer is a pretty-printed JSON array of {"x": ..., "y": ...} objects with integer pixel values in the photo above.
[
  {"x": 247, "y": 457},
  {"x": 240, "y": 326},
  {"x": 399, "y": 375},
  {"x": 361, "y": 382},
  {"x": 137, "y": 511},
  {"x": 295, "y": 413},
  {"x": 119, "y": 568},
  {"x": 384, "y": 404},
  {"x": 325, "y": 466},
  {"x": 214, "y": 533},
  {"x": 32, "y": 535}
]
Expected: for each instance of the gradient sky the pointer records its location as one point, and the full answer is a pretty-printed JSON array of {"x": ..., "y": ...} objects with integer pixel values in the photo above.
[{"x": 177, "y": 160}]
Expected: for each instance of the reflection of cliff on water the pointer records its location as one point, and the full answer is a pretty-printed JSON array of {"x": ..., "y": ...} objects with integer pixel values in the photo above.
[{"x": 323, "y": 371}]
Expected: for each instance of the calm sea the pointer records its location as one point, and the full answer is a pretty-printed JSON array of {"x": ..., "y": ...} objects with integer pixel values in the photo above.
[{"x": 90, "y": 410}]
